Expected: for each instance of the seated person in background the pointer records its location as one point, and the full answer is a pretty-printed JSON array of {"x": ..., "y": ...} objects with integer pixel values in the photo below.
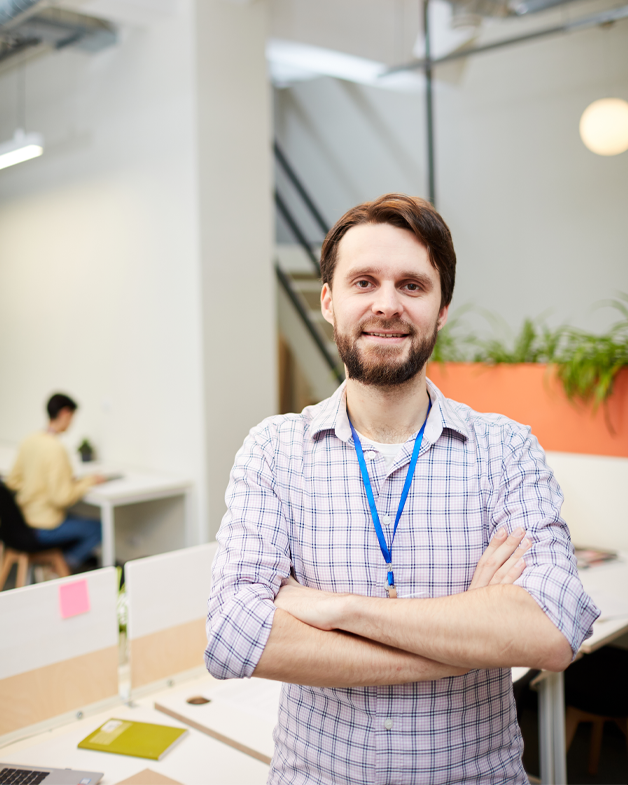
[{"x": 42, "y": 477}]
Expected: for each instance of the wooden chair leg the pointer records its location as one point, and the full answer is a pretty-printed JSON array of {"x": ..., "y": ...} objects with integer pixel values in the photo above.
[
  {"x": 595, "y": 748},
  {"x": 59, "y": 564},
  {"x": 7, "y": 563},
  {"x": 572, "y": 720},
  {"x": 22, "y": 570}
]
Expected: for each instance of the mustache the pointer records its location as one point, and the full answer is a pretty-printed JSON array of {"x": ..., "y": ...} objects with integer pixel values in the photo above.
[{"x": 380, "y": 325}]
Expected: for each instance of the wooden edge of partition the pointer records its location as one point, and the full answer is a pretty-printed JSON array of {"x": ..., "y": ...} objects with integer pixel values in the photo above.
[
  {"x": 166, "y": 652},
  {"x": 40, "y": 694}
]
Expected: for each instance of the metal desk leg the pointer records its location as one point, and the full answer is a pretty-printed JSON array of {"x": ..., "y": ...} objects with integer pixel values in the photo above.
[
  {"x": 552, "y": 730},
  {"x": 191, "y": 536},
  {"x": 560, "y": 753},
  {"x": 546, "y": 740},
  {"x": 108, "y": 535}
]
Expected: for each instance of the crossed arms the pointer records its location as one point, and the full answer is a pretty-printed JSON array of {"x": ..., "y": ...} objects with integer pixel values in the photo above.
[
  {"x": 257, "y": 626},
  {"x": 344, "y": 640}
]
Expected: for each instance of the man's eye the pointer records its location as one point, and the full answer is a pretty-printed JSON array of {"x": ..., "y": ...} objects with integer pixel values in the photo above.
[
  {"x": 413, "y": 287},
  {"x": 363, "y": 284}
]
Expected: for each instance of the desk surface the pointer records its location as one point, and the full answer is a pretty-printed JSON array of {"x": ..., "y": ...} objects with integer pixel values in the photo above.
[
  {"x": 198, "y": 758},
  {"x": 134, "y": 485}
]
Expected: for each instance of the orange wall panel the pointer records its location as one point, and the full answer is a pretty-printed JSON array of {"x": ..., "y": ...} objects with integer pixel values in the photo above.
[{"x": 533, "y": 395}]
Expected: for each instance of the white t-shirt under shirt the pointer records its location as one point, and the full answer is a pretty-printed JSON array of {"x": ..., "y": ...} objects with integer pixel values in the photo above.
[{"x": 389, "y": 451}]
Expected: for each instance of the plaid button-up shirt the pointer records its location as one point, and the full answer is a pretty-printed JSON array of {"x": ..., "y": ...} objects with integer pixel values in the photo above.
[{"x": 296, "y": 501}]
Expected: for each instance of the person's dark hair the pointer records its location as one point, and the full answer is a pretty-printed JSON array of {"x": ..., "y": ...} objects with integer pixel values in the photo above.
[
  {"x": 57, "y": 402},
  {"x": 405, "y": 212}
]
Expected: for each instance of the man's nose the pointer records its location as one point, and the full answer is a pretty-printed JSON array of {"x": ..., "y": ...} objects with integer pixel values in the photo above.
[{"x": 387, "y": 302}]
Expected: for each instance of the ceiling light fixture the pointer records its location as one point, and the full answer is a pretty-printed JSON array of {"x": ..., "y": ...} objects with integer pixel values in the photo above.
[
  {"x": 22, "y": 147},
  {"x": 604, "y": 126}
]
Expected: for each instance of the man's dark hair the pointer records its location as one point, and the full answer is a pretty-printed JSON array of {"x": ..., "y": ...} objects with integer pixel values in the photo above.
[
  {"x": 405, "y": 212},
  {"x": 57, "y": 402}
]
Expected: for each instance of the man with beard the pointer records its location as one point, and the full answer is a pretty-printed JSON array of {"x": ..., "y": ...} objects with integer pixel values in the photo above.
[{"x": 371, "y": 555}]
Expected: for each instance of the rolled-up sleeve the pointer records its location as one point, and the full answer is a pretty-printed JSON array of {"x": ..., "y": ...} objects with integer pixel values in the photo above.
[
  {"x": 529, "y": 496},
  {"x": 252, "y": 559}
]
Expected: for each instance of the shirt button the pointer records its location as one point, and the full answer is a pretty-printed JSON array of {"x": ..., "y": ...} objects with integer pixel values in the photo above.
[
  {"x": 371, "y": 455},
  {"x": 386, "y": 520},
  {"x": 388, "y": 723}
]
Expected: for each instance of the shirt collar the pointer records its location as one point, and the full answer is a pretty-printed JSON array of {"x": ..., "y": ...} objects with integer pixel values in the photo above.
[
  {"x": 332, "y": 416},
  {"x": 443, "y": 416}
]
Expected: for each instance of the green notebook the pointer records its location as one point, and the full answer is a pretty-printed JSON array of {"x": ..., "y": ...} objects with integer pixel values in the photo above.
[{"x": 140, "y": 739}]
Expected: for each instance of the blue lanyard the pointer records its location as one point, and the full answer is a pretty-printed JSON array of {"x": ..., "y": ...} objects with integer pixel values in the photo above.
[{"x": 386, "y": 551}]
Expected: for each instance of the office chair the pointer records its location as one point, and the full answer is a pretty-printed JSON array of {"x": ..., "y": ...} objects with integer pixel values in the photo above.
[
  {"x": 20, "y": 544},
  {"x": 596, "y": 691}
]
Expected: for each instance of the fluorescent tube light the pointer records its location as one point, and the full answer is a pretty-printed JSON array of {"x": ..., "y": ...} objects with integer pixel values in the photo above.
[
  {"x": 22, "y": 147},
  {"x": 290, "y": 62}
]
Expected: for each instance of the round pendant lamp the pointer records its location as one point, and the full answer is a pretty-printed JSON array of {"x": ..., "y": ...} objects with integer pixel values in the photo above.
[{"x": 604, "y": 126}]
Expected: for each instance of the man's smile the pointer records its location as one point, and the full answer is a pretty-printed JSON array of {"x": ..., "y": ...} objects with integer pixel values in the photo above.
[{"x": 386, "y": 335}]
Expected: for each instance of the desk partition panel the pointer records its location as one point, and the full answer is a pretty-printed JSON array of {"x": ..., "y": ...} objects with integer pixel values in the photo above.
[
  {"x": 167, "y": 605},
  {"x": 58, "y": 648},
  {"x": 594, "y": 487}
]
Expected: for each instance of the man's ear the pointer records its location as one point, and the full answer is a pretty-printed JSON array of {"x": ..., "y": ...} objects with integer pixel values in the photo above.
[
  {"x": 442, "y": 317},
  {"x": 327, "y": 306}
]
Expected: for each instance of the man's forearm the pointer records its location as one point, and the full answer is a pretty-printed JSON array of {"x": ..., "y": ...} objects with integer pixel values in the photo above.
[
  {"x": 496, "y": 626},
  {"x": 300, "y": 654}
]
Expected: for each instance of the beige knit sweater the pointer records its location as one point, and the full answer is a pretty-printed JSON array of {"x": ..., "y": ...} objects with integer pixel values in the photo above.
[{"x": 42, "y": 477}]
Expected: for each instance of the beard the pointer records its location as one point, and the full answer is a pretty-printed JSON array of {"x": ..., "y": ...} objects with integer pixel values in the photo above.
[{"x": 382, "y": 366}]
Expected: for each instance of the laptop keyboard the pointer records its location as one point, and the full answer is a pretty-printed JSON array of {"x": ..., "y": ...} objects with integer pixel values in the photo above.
[{"x": 22, "y": 777}]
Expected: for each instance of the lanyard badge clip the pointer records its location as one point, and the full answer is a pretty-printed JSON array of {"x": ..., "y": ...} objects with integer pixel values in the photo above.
[{"x": 389, "y": 585}]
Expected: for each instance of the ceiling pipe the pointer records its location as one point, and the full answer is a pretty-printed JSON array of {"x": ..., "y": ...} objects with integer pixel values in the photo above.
[
  {"x": 604, "y": 18},
  {"x": 14, "y": 11}
]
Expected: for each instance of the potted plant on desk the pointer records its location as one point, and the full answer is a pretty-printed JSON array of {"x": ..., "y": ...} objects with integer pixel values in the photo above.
[
  {"x": 570, "y": 386},
  {"x": 86, "y": 451}
]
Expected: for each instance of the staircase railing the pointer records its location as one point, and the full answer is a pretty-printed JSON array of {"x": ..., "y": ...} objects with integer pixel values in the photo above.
[{"x": 309, "y": 249}]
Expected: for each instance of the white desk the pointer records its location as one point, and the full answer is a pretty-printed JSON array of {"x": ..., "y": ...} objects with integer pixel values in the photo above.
[
  {"x": 607, "y": 584},
  {"x": 197, "y": 758},
  {"x": 135, "y": 487}
]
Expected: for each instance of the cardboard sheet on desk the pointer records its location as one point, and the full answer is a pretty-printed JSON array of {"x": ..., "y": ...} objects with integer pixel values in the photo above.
[
  {"x": 245, "y": 711},
  {"x": 149, "y": 777}
]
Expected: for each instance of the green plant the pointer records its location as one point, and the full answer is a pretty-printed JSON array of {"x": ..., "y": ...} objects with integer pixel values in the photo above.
[
  {"x": 121, "y": 605},
  {"x": 533, "y": 344},
  {"x": 586, "y": 364},
  {"x": 450, "y": 346}
]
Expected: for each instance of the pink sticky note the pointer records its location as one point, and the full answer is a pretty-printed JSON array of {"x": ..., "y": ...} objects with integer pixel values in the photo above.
[{"x": 73, "y": 598}]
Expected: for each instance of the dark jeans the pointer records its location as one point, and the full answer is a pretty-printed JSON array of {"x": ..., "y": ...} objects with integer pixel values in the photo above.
[{"x": 77, "y": 537}]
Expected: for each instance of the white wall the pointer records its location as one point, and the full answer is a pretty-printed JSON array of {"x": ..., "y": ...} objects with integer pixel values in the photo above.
[
  {"x": 238, "y": 281},
  {"x": 98, "y": 250},
  {"x": 105, "y": 272},
  {"x": 538, "y": 220}
]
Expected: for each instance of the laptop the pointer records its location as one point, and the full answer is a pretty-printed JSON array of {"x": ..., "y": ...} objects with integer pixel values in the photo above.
[{"x": 16, "y": 774}]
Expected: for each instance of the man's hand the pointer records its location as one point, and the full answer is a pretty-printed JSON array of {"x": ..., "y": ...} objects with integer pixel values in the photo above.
[
  {"x": 322, "y": 609},
  {"x": 501, "y": 563}
]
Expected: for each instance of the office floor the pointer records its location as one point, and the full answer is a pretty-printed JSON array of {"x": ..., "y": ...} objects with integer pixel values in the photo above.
[{"x": 613, "y": 767}]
